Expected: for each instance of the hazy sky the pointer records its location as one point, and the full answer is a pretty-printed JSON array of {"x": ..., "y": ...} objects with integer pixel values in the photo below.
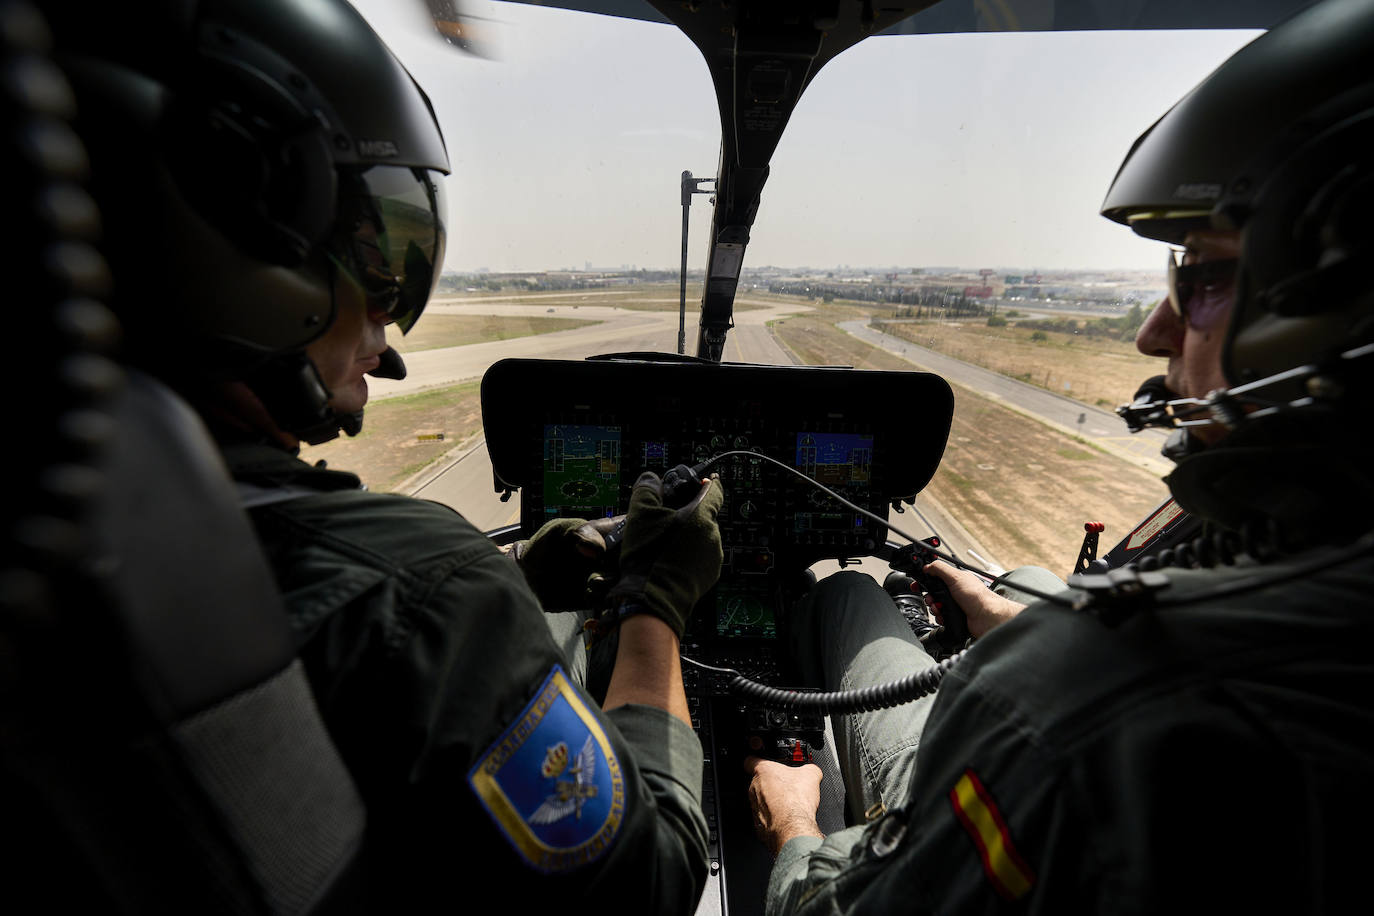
[{"x": 986, "y": 150}]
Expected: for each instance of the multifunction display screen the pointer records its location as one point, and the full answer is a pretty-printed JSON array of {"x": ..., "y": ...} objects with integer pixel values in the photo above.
[
  {"x": 744, "y": 612},
  {"x": 842, "y": 462},
  {"x": 581, "y": 471}
]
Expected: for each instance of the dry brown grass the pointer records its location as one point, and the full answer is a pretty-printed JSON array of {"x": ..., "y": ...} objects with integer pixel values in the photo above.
[
  {"x": 396, "y": 442},
  {"x": 433, "y": 332},
  {"x": 1025, "y": 489},
  {"x": 1094, "y": 370},
  {"x": 815, "y": 341}
]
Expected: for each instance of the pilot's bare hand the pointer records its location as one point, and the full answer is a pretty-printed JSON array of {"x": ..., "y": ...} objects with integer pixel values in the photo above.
[
  {"x": 784, "y": 800},
  {"x": 984, "y": 608}
]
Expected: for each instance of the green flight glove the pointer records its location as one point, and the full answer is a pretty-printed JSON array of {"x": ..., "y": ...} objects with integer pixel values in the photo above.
[
  {"x": 670, "y": 557},
  {"x": 564, "y": 561}
]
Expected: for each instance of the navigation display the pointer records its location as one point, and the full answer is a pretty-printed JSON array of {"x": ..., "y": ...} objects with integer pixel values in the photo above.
[
  {"x": 581, "y": 471},
  {"x": 743, "y": 612},
  {"x": 844, "y": 463}
]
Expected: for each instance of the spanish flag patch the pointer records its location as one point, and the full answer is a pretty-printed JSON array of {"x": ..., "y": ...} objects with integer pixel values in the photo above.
[{"x": 1009, "y": 874}]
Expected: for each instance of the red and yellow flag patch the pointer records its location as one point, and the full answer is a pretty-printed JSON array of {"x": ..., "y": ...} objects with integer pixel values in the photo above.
[{"x": 1009, "y": 874}]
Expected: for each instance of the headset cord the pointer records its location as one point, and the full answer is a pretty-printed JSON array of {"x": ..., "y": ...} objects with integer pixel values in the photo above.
[{"x": 840, "y": 702}]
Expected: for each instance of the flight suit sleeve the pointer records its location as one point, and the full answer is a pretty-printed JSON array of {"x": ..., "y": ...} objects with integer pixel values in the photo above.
[
  {"x": 669, "y": 758},
  {"x": 470, "y": 743},
  {"x": 805, "y": 862}
]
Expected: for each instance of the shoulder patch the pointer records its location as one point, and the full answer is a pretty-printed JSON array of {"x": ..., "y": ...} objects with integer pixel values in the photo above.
[
  {"x": 552, "y": 782},
  {"x": 973, "y": 805}
]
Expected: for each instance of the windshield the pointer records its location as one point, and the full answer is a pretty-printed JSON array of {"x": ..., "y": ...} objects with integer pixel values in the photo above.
[{"x": 933, "y": 206}]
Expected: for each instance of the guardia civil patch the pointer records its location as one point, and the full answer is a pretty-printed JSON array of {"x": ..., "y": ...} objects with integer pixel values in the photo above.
[{"x": 552, "y": 782}]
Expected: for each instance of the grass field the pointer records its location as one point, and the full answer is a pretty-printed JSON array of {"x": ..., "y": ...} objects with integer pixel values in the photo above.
[
  {"x": 399, "y": 436},
  {"x": 437, "y": 331}
]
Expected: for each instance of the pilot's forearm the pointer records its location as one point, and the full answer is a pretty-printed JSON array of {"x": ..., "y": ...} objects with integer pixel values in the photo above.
[{"x": 648, "y": 669}]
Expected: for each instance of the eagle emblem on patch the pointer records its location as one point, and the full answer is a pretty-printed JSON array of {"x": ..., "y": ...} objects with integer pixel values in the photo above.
[{"x": 559, "y": 808}]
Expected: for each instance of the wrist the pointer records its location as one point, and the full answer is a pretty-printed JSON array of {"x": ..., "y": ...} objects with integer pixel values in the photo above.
[
  {"x": 789, "y": 829},
  {"x": 999, "y": 613},
  {"x": 628, "y": 600},
  {"x": 620, "y": 611}
]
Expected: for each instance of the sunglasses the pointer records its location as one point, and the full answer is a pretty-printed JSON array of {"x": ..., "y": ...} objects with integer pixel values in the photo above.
[{"x": 1200, "y": 293}]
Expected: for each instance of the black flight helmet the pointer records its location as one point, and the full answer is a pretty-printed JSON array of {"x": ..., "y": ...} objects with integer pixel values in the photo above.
[
  {"x": 249, "y": 157},
  {"x": 1278, "y": 143}
]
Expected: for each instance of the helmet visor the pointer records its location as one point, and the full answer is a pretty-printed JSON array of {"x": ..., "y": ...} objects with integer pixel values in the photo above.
[{"x": 390, "y": 237}]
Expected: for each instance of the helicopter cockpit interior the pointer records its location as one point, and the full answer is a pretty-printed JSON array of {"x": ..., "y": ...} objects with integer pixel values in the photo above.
[
  {"x": 813, "y": 457},
  {"x": 606, "y": 419}
]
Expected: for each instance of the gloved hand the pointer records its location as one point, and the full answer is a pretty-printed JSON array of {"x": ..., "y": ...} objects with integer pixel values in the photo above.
[
  {"x": 564, "y": 559},
  {"x": 670, "y": 557}
]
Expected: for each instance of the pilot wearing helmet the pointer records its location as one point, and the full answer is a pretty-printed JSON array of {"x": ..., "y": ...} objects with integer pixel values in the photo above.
[
  {"x": 1195, "y": 734},
  {"x": 271, "y": 184}
]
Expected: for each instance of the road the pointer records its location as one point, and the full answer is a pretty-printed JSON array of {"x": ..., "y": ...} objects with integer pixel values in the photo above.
[{"x": 463, "y": 479}]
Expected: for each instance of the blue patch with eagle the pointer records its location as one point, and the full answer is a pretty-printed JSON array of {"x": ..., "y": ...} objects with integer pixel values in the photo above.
[{"x": 551, "y": 782}]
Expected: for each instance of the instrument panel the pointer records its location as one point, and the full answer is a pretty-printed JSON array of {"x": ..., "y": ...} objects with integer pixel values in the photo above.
[{"x": 571, "y": 437}]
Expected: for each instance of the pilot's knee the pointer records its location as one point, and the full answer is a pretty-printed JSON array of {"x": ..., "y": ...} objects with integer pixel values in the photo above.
[
  {"x": 1036, "y": 578},
  {"x": 847, "y": 593},
  {"x": 825, "y": 596},
  {"x": 840, "y": 587}
]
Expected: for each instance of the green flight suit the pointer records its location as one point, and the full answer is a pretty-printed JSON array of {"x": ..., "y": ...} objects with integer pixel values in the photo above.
[{"x": 487, "y": 771}]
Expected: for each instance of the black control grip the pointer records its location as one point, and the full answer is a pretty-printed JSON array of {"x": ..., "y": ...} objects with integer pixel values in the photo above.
[
  {"x": 910, "y": 578},
  {"x": 956, "y": 634},
  {"x": 793, "y": 750},
  {"x": 681, "y": 484},
  {"x": 787, "y": 737},
  {"x": 614, "y": 538}
]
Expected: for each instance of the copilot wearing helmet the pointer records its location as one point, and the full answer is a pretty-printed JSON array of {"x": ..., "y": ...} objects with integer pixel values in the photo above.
[
  {"x": 1192, "y": 735},
  {"x": 270, "y": 180},
  {"x": 277, "y": 199},
  {"x": 1261, "y": 182}
]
